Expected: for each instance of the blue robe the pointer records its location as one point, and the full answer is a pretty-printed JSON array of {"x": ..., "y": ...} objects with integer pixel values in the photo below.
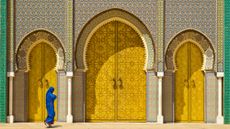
[{"x": 50, "y": 97}]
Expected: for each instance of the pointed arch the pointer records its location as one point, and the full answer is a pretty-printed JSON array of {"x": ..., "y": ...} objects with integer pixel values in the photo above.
[
  {"x": 196, "y": 37},
  {"x": 31, "y": 40},
  {"x": 105, "y": 17}
]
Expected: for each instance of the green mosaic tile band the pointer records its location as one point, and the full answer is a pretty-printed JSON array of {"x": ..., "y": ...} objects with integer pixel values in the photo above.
[
  {"x": 227, "y": 63},
  {"x": 3, "y": 62}
]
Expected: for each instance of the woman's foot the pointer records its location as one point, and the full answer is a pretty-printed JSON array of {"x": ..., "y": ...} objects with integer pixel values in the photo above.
[
  {"x": 45, "y": 123},
  {"x": 49, "y": 126}
]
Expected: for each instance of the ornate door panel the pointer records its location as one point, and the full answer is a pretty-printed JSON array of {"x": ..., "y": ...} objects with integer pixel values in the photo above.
[
  {"x": 182, "y": 86},
  {"x": 41, "y": 75},
  {"x": 197, "y": 85},
  {"x": 189, "y": 90},
  {"x": 100, "y": 76},
  {"x": 115, "y": 77},
  {"x": 35, "y": 86},
  {"x": 131, "y": 75}
]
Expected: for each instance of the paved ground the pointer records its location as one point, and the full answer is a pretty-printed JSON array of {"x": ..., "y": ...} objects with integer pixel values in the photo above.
[{"x": 114, "y": 126}]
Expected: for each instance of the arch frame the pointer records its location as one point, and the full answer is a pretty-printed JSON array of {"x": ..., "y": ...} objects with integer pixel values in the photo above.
[
  {"x": 108, "y": 16},
  {"x": 32, "y": 47},
  {"x": 198, "y": 39},
  {"x": 182, "y": 43},
  {"x": 208, "y": 53},
  {"x": 31, "y": 40}
]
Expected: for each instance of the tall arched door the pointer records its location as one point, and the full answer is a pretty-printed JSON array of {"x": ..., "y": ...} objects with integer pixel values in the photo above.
[
  {"x": 42, "y": 74},
  {"x": 189, "y": 84},
  {"x": 116, "y": 80}
]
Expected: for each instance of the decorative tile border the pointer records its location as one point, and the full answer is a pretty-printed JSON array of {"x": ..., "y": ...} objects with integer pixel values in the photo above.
[
  {"x": 195, "y": 37},
  {"x": 69, "y": 46},
  {"x": 160, "y": 36},
  {"x": 23, "y": 51},
  {"x": 220, "y": 34},
  {"x": 3, "y": 77},
  {"x": 11, "y": 34},
  {"x": 227, "y": 62}
]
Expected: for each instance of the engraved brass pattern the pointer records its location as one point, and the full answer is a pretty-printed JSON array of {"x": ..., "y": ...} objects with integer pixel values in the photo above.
[
  {"x": 189, "y": 90},
  {"x": 41, "y": 75},
  {"x": 115, "y": 77},
  {"x": 100, "y": 75}
]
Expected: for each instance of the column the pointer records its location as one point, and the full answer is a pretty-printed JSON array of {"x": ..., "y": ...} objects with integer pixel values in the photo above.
[
  {"x": 69, "y": 118},
  {"x": 160, "y": 56},
  {"x": 160, "y": 118},
  {"x": 10, "y": 73},
  {"x": 151, "y": 96},
  {"x": 220, "y": 118},
  {"x": 220, "y": 57},
  {"x": 62, "y": 96},
  {"x": 69, "y": 57},
  {"x": 10, "y": 117}
]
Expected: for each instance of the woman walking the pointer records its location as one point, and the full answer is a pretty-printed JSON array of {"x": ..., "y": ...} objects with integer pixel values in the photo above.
[{"x": 50, "y": 97}]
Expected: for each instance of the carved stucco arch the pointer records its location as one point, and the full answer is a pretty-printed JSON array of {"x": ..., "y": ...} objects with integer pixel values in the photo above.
[
  {"x": 108, "y": 16},
  {"x": 195, "y": 37},
  {"x": 31, "y": 40}
]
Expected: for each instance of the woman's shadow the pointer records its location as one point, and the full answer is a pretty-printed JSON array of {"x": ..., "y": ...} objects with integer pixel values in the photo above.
[{"x": 55, "y": 126}]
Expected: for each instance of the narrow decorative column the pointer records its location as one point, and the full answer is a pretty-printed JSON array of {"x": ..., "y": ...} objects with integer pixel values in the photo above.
[
  {"x": 220, "y": 118},
  {"x": 220, "y": 57},
  {"x": 69, "y": 115},
  {"x": 10, "y": 117},
  {"x": 160, "y": 118},
  {"x": 10, "y": 73},
  {"x": 69, "y": 57},
  {"x": 160, "y": 56}
]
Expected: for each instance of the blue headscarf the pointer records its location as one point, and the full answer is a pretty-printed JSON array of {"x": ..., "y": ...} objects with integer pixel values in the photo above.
[{"x": 50, "y": 97}]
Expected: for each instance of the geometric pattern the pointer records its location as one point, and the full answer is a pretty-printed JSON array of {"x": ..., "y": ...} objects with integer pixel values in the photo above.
[
  {"x": 47, "y": 15},
  {"x": 10, "y": 44},
  {"x": 189, "y": 83},
  {"x": 40, "y": 14},
  {"x": 105, "y": 17},
  {"x": 69, "y": 36},
  {"x": 194, "y": 14},
  {"x": 41, "y": 76},
  {"x": 195, "y": 36},
  {"x": 31, "y": 40},
  {"x": 160, "y": 36},
  {"x": 180, "y": 15},
  {"x": 220, "y": 35},
  {"x": 145, "y": 10},
  {"x": 199, "y": 15},
  {"x": 115, "y": 52}
]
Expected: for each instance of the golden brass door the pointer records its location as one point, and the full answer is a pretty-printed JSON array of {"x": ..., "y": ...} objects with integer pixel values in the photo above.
[
  {"x": 130, "y": 74},
  {"x": 42, "y": 74},
  {"x": 115, "y": 77},
  {"x": 189, "y": 84}
]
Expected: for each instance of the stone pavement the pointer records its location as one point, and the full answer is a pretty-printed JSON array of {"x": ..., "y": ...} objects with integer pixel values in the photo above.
[{"x": 60, "y": 125}]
